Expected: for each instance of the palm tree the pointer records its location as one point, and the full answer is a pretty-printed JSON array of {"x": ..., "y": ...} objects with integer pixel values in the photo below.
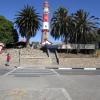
[
  {"x": 59, "y": 23},
  {"x": 98, "y": 37},
  {"x": 98, "y": 34},
  {"x": 28, "y": 21},
  {"x": 83, "y": 28}
]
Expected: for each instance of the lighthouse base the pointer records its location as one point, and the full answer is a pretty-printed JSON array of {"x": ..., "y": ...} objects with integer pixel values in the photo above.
[{"x": 46, "y": 42}]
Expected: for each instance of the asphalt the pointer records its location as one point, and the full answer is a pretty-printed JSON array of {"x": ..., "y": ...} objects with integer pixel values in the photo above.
[
  {"x": 31, "y": 72},
  {"x": 4, "y": 71},
  {"x": 50, "y": 84},
  {"x": 78, "y": 72}
]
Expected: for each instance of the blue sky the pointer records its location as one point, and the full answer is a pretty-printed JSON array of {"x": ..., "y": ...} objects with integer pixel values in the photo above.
[{"x": 9, "y": 8}]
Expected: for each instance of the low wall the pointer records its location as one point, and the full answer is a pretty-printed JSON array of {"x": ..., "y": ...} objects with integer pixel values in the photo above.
[
  {"x": 14, "y": 53},
  {"x": 79, "y": 62},
  {"x": 42, "y": 59},
  {"x": 26, "y": 57},
  {"x": 35, "y": 61}
]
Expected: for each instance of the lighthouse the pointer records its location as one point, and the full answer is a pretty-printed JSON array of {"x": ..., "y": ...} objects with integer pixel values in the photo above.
[{"x": 45, "y": 27}]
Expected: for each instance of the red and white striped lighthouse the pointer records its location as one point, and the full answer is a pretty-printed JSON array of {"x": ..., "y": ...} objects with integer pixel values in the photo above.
[{"x": 45, "y": 28}]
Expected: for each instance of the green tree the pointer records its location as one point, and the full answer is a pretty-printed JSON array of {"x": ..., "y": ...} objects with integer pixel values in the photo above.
[
  {"x": 28, "y": 21},
  {"x": 83, "y": 28},
  {"x": 6, "y": 31},
  {"x": 59, "y": 23}
]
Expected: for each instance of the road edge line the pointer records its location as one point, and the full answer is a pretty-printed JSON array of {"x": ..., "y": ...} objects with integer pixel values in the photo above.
[{"x": 9, "y": 72}]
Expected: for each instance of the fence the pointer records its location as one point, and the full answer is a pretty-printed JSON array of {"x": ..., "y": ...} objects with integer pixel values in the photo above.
[{"x": 77, "y": 46}]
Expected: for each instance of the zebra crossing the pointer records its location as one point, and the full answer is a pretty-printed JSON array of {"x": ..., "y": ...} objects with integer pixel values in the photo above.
[
  {"x": 38, "y": 72},
  {"x": 31, "y": 72}
]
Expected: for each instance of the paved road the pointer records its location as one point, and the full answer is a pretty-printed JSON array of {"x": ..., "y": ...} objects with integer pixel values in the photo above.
[
  {"x": 31, "y": 72},
  {"x": 4, "y": 71},
  {"x": 50, "y": 84},
  {"x": 78, "y": 72}
]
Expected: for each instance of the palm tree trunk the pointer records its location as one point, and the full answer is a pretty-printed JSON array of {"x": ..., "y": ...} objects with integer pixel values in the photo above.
[
  {"x": 28, "y": 43},
  {"x": 76, "y": 44}
]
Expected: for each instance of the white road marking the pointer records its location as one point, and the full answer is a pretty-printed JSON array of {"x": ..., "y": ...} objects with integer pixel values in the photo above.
[
  {"x": 66, "y": 94},
  {"x": 9, "y": 72},
  {"x": 89, "y": 68},
  {"x": 20, "y": 67},
  {"x": 55, "y": 72},
  {"x": 49, "y": 72},
  {"x": 65, "y": 68}
]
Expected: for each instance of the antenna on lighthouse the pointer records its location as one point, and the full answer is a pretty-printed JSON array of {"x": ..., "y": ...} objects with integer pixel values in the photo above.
[{"x": 45, "y": 27}]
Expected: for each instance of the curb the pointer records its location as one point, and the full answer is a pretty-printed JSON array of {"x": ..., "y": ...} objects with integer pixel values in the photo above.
[{"x": 75, "y": 68}]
